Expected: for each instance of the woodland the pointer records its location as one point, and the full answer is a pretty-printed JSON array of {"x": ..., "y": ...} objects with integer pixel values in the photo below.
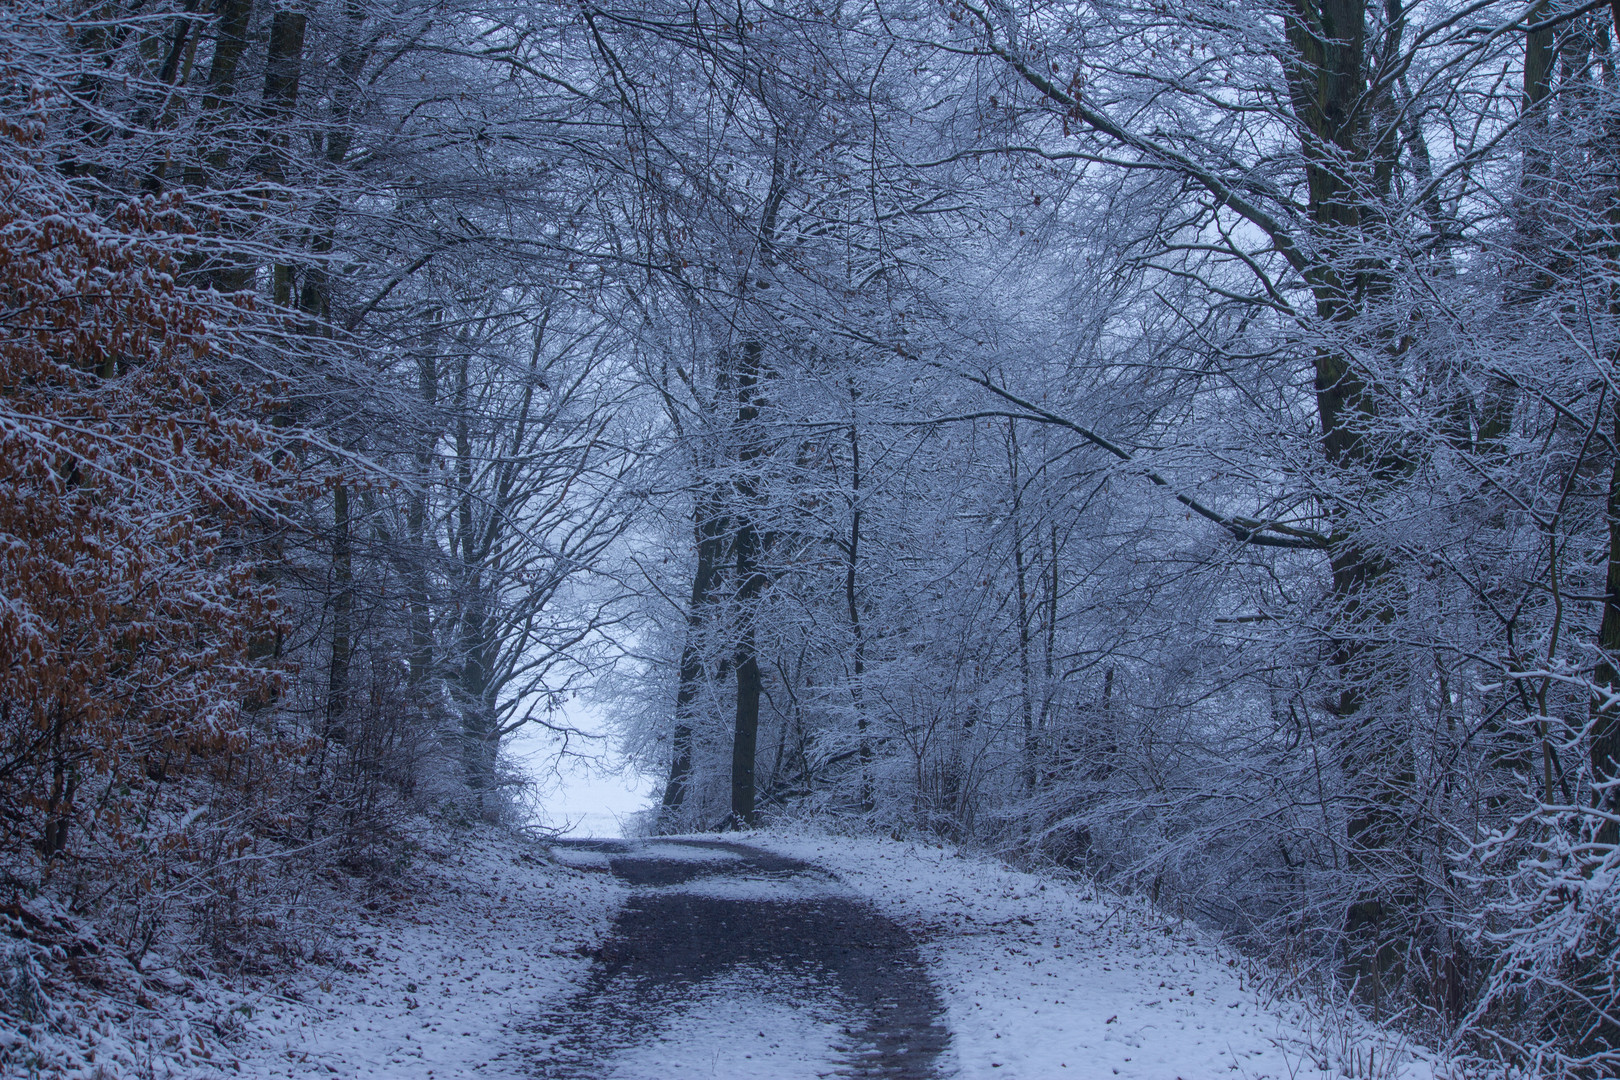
[{"x": 1177, "y": 442}]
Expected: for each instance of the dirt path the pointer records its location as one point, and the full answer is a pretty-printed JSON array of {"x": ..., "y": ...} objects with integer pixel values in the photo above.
[{"x": 729, "y": 961}]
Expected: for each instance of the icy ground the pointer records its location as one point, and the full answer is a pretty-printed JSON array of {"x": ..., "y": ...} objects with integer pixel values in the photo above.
[{"x": 765, "y": 956}]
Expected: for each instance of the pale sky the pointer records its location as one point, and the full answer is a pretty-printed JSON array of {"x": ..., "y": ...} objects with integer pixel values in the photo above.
[{"x": 586, "y": 799}]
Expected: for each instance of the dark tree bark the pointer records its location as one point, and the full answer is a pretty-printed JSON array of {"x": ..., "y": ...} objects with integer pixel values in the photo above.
[
  {"x": 479, "y": 736},
  {"x": 1604, "y": 752},
  {"x": 748, "y": 542},
  {"x": 1605, "y": 746},
  {"x": 342, "y": 603},
  {"x": 852, "y": 553},
  {"x": 708, "y": 528},
  {"x": 1346, "y": 175},
  {"x": 422, "y": 663},
  {"x": 745, "y": 738},
  {"x": 747, "y": 546},
  {"x": 1026, "y": 688},
  {"x": 315, "y": 298},
  {"x": 230, "y": 42}
]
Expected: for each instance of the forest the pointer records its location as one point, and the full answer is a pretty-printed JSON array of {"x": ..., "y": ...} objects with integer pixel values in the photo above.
[{"x": 1178, "y": 443}]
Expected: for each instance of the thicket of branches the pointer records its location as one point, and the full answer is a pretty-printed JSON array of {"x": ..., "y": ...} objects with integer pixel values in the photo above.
[
  {"x": 1178, "y": 441},
  {"x": 308, "y": 440}
]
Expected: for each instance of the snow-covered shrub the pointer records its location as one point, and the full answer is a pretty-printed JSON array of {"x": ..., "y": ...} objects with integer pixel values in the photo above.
[
  {"x": 1553, "y": 999},
  {"x": 22, "y": 990},
  {"x": 134, "y": 626}
]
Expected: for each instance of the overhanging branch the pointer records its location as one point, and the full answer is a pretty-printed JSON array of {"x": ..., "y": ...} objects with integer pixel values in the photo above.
[{"x": 1246, "y": 530}]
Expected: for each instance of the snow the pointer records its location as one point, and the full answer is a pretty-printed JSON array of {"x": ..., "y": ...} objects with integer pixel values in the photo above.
[
  {"x": 601, "y": 858},
  {"x": 728, "y": 1028},
  {"x": 1040, "y": 978},
  {"x": 795, "y": 889},
  {"x": 429, "y": 978},
  {"x": 421, "y": 979},
  {"x": 433, "y": 989},
  {"x": 683, "y": 853},
  {"x": 583, "y": 858},
  {"x": 1044, "y": 979}
]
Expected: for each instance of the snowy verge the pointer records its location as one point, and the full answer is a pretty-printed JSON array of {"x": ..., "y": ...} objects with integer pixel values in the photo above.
[
  {"x": 488, "y": 930},
  {"x": 423, "y": 977},
  {"x": 1042, "y": 978}
]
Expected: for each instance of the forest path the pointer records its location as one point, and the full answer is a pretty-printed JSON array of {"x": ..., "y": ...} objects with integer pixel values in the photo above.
[{"x": 732, "y": 961}]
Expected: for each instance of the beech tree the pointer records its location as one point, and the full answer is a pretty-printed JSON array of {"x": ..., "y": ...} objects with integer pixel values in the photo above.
[
  {"x": 293, "y": 345},
  {"x": 135, "y": 475}
]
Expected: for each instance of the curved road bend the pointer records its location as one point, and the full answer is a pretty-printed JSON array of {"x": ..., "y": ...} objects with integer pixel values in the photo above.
[{"x": 728, "y": 961}]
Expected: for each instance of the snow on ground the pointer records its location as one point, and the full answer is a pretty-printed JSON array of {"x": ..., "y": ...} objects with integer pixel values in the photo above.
[
  {"x": 762, "y": 888},
  {"x": 428, "y": 981},
  {"x": 488, "y": 934},
  {"x": 600, "y": 858},
  {"x": 1041, "y": 980},
  {"x": 728, "y": 1029},
  {"x": 652, "y": 849},
  {"x": 583, "y": 858},
  {"x": 420, "y": 979}
]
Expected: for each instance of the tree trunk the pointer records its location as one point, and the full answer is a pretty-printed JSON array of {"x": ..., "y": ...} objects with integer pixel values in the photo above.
[
  {"x": 1604, "y": 752},
  {"x": 1049, "y": 644},
  {"x": 315, "y": 297},
  {"x": 747, "y": 543},
  {"x": 421, "y": 661},
  {"x": 851, "y": 602},
  {"x": 215, "y": 143},
  {"x": 230, "y": 42},
  {"x": 1345, "y": 176},
  {"x": 478, "y": 734},
  {"x": 337, "y": 683},
  {"x": 1026, "y": 689},
  {"x": 283, "y": 67},
  {"x": 1605, "y": 746},
  {"x": 745, "y": 739},
  {"x": 708, "y": 529},
  {"x": 176, "y": 66}
]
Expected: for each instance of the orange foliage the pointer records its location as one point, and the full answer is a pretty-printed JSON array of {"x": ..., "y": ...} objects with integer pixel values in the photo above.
[{"x": 130, "y": 471}]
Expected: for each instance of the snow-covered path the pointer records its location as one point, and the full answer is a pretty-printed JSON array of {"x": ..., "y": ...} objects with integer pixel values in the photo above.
[
  {"x": 786, "y": 958},
  {"x": 1042, "y": 979},
  {"x": 731, "y": 961}
]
